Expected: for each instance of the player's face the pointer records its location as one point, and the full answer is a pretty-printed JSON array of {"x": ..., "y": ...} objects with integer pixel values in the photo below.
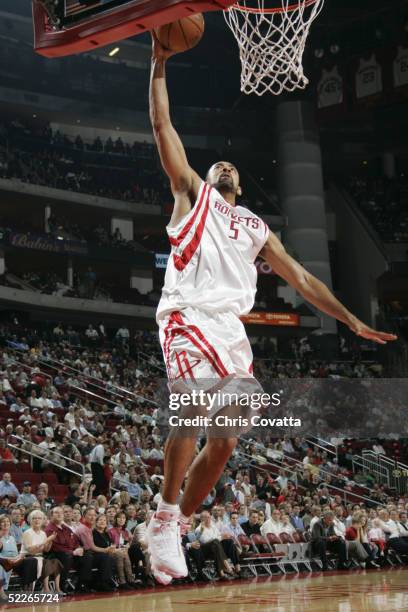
[{"x": 224, "y": 175}]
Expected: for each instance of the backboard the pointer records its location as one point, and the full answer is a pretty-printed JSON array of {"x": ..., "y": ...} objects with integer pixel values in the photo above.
[{"x": 66, "y": 27}]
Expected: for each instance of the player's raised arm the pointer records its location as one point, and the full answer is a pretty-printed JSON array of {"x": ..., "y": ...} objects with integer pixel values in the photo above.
[
  {"x": 185, "y": 183},
  {"x": 314, "y": 291}
]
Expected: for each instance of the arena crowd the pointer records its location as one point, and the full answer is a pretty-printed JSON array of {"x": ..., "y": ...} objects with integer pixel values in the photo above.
[{"x": 81, "y": 473}]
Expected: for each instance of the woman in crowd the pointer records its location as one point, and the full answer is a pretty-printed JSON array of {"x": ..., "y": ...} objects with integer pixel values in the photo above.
[
  {"x": 76, "y": 517},
  {"x": 35, "y": 543},
  {"x": 122, "y": 539},
  {"x": 355, "y": 546},
  {"x": 101, "y": 504},
  {"x": 376, "y": 537},
  {"x": 210, "y": 539},
  {"x": 371, "y": 548},
  {"x": 131, "y": 516},
  {"x": 103, "y": 539},
  {"x": 10, "y": 560},
  {"x": 122, "y": 499},
  {"x": 286, "y": 525}
]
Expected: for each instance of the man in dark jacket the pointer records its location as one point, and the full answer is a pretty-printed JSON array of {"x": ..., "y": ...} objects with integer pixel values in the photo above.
[
  {"x": 252, "y": 526},
  {"x": 324, "y": 539}
]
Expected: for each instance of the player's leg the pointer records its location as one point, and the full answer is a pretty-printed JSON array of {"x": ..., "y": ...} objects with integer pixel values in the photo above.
[
  {"x": 164, "y": 537},
  {"x": 205, "y": 472},
  {"x": 178, "y": 455},
  {"x": 189, "y": 355}
]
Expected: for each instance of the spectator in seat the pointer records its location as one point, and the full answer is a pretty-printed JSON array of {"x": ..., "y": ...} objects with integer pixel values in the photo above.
[
  {"x": 316, "y": 512},
  {"x": 122, "y": 336},
  {"x": 103, "y": 540},
  {"x": 121, "y": 539},
  {"x": 36, "y": 543},
  {"x": 67, "y": 548},
  {"x": 324, "y": 539},
  {"x": 18, "y": 406},
  {"x": 296, "y": 519},
  {"x": 26, "y": 568},
  {"x": 392, "y": 531},
  {"x": 353, "y": 537},
  {"x": 252, "y": 526},
  {"x": 394, "y": 516},
  {"x": 101, "y": 559},
  {"x": 286, "y": 525},
  {"x": 210, "y": 540},
  {"x": 139, "y": 543},
  {"x": 194, "y": 554},
  {"x": 403, "y": 519},
  {"x": 377, "y": 536},
  {"x": 26, "y": 497},
  {"x": 5, "y": 453},
  {"x": 378, "y": 448},
  {"x": 370, "y": 548},
  {"x": 272, "y": 525},
  {"x": 46, "y": 497},
  {"x": 238, "y": 492},
  {"x": 16, "y": 526},
  {"x": 131, "y": 515},
  {"x": 7, "y": 488},
  {"x": 34, "y": 401}
]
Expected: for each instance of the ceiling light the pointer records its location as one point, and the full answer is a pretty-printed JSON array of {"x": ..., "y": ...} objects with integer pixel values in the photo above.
[
  {"x": 319, "y": 53},
  {"x": 114, "y": 51}
]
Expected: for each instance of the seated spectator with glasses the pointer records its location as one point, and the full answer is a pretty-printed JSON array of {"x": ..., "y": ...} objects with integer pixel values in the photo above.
[
  {"x": 324, "y": 539},
  {"x": 102, "y": 559},
  {"x": 67, "y": 548}
]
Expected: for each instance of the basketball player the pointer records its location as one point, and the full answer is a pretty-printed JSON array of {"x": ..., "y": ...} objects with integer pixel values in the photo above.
[{"x": 210, "y": 281}]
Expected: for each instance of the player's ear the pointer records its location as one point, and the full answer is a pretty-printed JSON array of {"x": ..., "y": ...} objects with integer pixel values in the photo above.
[{"x": 239, "y": 191}]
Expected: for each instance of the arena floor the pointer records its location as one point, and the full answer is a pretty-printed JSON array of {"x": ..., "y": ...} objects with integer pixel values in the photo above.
[{"x": 357, "y": 591}]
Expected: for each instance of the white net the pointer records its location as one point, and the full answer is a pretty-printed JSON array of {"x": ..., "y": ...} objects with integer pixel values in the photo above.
[{"x": 271, "y": 42}]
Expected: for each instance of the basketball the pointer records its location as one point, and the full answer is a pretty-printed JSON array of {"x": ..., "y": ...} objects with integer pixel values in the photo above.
[{"x": 183, "y": 34}]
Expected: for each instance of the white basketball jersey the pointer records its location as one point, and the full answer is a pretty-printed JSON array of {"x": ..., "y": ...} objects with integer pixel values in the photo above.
[{"x": 211, "y": 265}]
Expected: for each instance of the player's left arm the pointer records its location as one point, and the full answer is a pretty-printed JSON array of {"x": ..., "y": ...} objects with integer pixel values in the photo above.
[{"x": 314, "y": 291}]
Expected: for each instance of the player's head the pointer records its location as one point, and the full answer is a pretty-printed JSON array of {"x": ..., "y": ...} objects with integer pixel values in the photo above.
[{"x": 224, "y": 177}]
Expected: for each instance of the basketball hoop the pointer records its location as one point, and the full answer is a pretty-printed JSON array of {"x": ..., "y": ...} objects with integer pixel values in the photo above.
[{"x": 271, "y": 42}]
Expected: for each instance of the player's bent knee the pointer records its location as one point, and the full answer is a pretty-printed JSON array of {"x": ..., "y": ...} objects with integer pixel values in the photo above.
[{"x": 223, "y": 445}]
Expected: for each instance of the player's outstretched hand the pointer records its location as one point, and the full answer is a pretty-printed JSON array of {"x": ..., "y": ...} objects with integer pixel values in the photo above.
[
  {"x": 362, "y": 330},
  {"x": 158, "y": 51}
]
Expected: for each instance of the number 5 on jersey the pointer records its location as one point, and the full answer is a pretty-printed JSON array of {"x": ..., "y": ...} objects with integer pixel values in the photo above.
[{"x": 234, "y": 230}]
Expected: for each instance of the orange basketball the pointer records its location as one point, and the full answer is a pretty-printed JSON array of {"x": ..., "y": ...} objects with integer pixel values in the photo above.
[{"x": 183, "y": 34}]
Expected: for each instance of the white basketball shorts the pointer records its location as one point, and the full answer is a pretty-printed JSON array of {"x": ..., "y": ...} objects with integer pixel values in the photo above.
[
  {"x": 200, "y": 345},
  {"x": 208, "y": 351}
]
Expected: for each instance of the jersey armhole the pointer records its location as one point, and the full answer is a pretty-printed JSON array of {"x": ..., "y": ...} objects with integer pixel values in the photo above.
[
  {"x": 174, "y": 230},
  {"x": 266, "y": 234}
]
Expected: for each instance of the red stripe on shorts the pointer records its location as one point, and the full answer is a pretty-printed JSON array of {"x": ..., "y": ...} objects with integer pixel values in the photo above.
[{"x": 217, "y": 365}]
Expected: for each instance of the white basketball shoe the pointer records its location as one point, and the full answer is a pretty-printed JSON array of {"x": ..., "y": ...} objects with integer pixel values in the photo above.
[{"x": 164, "y": 542}]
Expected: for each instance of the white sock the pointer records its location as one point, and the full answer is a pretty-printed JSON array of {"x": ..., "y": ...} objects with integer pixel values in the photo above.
[
  {"x": 165, "y": 507},
  {"x": 184, "y": 519}
]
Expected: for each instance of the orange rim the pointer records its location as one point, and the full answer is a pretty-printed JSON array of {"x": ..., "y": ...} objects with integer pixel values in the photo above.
[{"x": 265, "y": 11}]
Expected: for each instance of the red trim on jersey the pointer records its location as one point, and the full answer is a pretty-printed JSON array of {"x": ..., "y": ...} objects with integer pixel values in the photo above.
[
  {"x": 177, "y": 241},
  {"x": 251, "y": 368},
  {"x": 180, "y": 261}
]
